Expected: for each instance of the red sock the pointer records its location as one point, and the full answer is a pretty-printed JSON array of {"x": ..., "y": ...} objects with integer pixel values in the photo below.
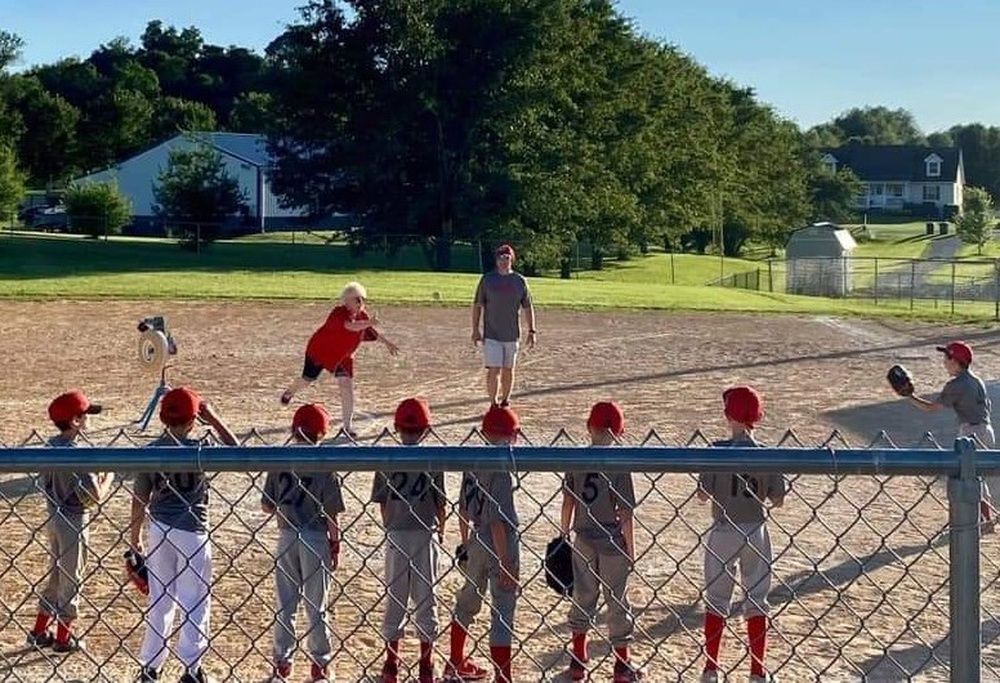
[
  {"x": 757, "y": 631},
  {"x": 392, "y": 652},
  {"x": 714, "y": 626},
  {"x": 458, "y": 634},
  {"x": 41, "y": 623},
  {"x": 426, "y": 654},
  {"x": 621, "y": 654},
  {"x": 63, "y": 631},
  {"x": 580, "y": 646},
  {"x": 500, "y": 654}
]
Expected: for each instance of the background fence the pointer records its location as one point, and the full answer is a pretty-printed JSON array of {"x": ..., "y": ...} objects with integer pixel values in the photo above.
[{"x": 879, "y": 573}]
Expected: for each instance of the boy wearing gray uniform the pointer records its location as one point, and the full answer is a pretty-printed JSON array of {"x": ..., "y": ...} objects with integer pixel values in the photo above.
[
  {"x": 739, "y": 536},
  {"x": 965, "y": 393},
  {"x": 412, "y": 505},
  {"x": 68, "y": 495},
  {"x": 180, "y": 555},
  {"x": 307, "y": 505},
  {"x": 487, "y": 504},
  {"x": 598, "y": 507}
]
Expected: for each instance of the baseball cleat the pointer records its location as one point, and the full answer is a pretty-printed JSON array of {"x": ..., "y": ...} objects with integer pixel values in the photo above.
[
  {"x": 626, "y": 673},
  {"x": 148, "y": 675},
  {"x": 466, "y": 671},
  {"x": 281, "y": 672},
  {"x": 74, "y": 644},
  {"x": 40, "y": 640},
  {"x": 197, "y": 676},
  {"x": 766, "y": 678}
]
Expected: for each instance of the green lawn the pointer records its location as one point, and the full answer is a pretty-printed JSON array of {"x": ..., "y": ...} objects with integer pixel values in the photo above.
[{"x": 903, "y": 241}]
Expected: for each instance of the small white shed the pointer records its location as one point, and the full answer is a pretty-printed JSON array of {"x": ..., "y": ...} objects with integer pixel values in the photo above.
[{"x": 818, "y": 260}]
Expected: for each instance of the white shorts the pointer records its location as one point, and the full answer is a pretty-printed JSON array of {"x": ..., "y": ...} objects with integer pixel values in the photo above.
[{"x": 498, "y": 354}]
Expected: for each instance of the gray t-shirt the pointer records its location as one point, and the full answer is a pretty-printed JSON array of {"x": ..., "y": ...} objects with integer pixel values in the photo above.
[
  {"x": 966, "y": 394},
  {"x": 600, "y": 498},
  {"x": 502, "y": 298},
  {"x": 176, "y": 499},
  {"x": 63, "y": 490},
  {"x": 305, "y": 501},
  {"x": 738, "y": 498},
  {"x": 411, "y": 499},
  {"x": 488, "y": 497}
]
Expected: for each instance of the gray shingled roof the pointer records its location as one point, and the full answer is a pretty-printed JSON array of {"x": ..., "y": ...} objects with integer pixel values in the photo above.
[{"x": 884, "y": 163}]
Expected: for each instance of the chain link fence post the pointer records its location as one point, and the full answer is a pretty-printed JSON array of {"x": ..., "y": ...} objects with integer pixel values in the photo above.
[{"x": 963, "y": 522}]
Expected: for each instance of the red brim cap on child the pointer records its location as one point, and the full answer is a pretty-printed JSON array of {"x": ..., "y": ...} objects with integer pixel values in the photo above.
[
  {"x": 607, "y": 415},
  {"x": 312, "y": 421},
  {"x": 412, "y": 415},
  {"x": 71, "y": 405},
  {"x": 743, "y": 405},
  {"x": 960, "y": 352},
  {"x": 505, "y": 249},
  {"x": 500, "y": 423},
  {"x": 179, "y": 406}
]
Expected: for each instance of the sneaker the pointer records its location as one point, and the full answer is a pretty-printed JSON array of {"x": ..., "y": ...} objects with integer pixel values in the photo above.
[
  {"x": 281, "y": 672},
  {"x": 626, "y": 673},
  {"x": 505, "y": 403},
  {"x": 74, "y": 644},
  {"x": 148, "y": 675},
  {"x": 40, "y": 640},
  {"x": 197, "y": 676},
  {"x": 390, "y": 673},
  {"x": 710, "y": 676},
  {"x": 286, "y": 398},
  {"x": 466, "y": 671},
  {"x": 766, "y": 678},
  {"x": 320, "y": 674},
  {"x": 577, "y": 671}
]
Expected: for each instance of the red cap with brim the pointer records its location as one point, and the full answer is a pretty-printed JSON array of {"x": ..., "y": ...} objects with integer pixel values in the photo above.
[
  {"x": 412, "y": 415},
  {"x": 960, "y": 352},
  {"x": 743, "y": 405},
  {"x": 179, "y": 406},
  {"x": 500, "y": 423},
  {"x": 607, "y": 415},
  {"x": 71, "y": 405},
  {"x": 312, "y": 421}
]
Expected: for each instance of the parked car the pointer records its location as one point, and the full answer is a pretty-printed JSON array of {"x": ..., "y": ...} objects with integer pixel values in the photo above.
[{"x": 47, "y": 218}]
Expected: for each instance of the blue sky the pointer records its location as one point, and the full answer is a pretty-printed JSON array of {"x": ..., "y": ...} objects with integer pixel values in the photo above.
[{"x": 810, "y": 59}]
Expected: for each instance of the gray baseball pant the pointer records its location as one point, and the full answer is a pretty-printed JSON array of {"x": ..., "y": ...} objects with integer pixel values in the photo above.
[
  {"x": 68, "y": 535},
  {"x": 410, "y": 573},
  {"x": 748, "y": 545},
  {"x": 303, "y": 571},
  {"x": 984, "y": 432},
  {"x": 593, "y": 570},
  {"x": 482, "y": 572}
]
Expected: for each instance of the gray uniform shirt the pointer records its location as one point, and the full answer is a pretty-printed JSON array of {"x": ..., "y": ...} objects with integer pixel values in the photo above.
[
  {"x": 600, "y": 499},
  {"x": 176, "y": 499},
  {"x": 411, "y": 499},
  {"x": 738, "y": 498},
  {"x": 966, "y": 394},
  {"x": 305, "y": 501},
  {"x": 502, "y": 298},
  {"x": 488, "y": 497},
  {"x": 63, "y": 489}
]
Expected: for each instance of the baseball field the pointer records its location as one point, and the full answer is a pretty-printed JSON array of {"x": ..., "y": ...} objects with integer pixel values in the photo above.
[{"x": 861, "y": 567}]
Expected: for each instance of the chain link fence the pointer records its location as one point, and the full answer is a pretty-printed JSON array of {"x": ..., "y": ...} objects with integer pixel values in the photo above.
[{"x": 880, "y": 571}]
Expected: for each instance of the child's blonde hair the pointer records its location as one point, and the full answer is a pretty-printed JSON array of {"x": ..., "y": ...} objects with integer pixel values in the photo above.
[{"x": 353, "y": 288}]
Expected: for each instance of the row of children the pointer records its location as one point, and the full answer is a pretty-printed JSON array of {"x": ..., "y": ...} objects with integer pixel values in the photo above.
[{"x": 597, "y": 518}]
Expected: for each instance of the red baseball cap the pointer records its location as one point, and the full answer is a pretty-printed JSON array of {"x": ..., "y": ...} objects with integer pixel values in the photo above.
[
  {"x": 71, "y": 405},
  {"x": 412, "y": 415},
  {"x": 505, "y": 249},
  {"x": 607, "y": 415},
  {"x": 179, "y": 406},
  {"x": 500, "y": 422},
  {"x": 743, "y": 405},
  {"x": 958, "y": 351},
  {"x": 312, "y": 420}
]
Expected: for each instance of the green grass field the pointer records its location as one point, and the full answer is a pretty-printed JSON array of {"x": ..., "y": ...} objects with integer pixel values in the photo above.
[{"x": 269, "y": 268}]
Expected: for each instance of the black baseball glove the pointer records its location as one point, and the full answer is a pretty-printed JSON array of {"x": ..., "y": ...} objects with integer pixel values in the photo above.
[
  {"x": 900, "y": 380},
  {"x": 138, "y": 573},
  {"x": 559, "y": 566}
]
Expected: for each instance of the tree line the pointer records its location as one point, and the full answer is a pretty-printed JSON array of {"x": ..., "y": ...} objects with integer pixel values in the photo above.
[{"x": 544, "y": 122}]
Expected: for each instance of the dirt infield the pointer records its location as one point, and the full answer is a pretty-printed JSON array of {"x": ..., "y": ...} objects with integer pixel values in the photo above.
[{"x": 861, "y": 585}]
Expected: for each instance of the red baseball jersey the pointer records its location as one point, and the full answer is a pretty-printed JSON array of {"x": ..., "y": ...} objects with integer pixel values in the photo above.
[{"x": 333, "y": 343}]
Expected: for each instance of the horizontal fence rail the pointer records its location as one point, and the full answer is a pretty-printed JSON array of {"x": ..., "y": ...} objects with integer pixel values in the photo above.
[{"x": 878, "y": 570}]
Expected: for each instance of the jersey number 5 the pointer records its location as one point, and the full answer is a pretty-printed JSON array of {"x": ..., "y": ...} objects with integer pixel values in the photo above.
[{"x": 293, "y": 490}]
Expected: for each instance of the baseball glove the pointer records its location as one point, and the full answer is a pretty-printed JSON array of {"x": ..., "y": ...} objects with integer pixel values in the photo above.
[
  {"x": 559, "y": 566},
  {"x": 900, "y": 380},
  {"x": 135, "y": 568}
]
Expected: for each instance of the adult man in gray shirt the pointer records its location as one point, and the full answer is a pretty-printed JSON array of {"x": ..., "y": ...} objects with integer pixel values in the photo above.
[{"x": 500, "y": 297}]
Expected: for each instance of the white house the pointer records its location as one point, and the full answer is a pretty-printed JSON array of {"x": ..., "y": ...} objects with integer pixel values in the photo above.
[
  {"x": 898, "y": 176},
  {"x": 245, "y": 157}
]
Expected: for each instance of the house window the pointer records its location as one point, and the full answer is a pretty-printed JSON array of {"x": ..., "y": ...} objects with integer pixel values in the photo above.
[
  {"x": 830, "y": 162},
  {"x": 878, "y": 189},
  {"x": 894, "y": 189},
  {"x": 932, "y": 166},
  {"x": 932, "y": 193}
]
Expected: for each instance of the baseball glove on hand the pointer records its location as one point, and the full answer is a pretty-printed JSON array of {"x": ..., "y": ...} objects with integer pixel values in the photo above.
[
  {"x": 138, "y": 574},
  {"x": 900, "y": 380},
  {"x": 559, "y": 566}
]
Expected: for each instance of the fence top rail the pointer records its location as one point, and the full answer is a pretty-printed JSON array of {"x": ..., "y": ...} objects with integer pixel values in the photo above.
[{"x": 354, "y": 457}]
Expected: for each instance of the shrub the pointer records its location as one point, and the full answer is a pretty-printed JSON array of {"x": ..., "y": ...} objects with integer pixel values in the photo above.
[{"x": 97, "y": 209}]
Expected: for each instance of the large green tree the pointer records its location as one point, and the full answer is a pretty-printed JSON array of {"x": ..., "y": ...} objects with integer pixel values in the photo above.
[
  {"x": 975, "y": 223},
  {"x": 872, "y": 125},
  {"x": 11, "y": 182}
]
